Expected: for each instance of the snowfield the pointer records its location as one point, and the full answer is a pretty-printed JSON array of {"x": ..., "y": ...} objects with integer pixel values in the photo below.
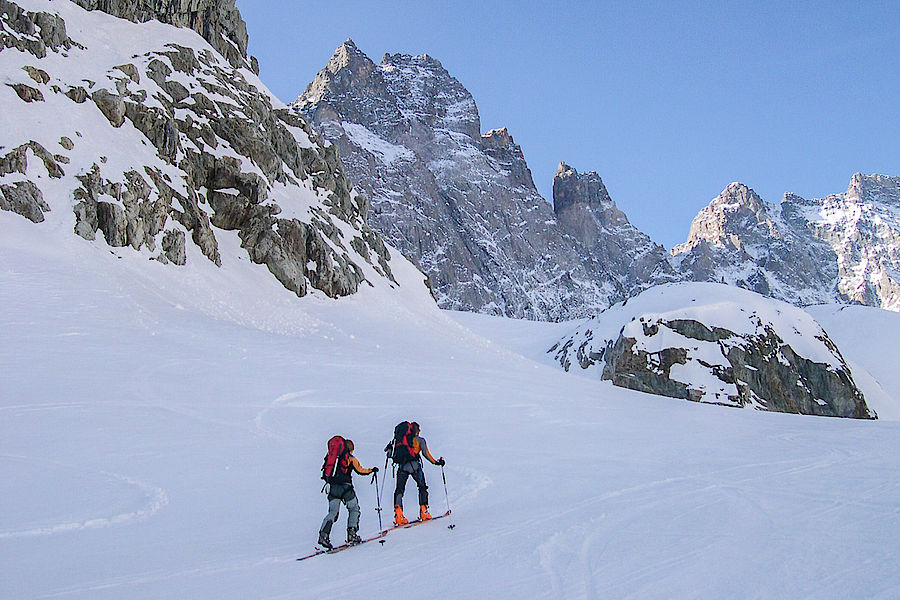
[{"x": 162, "y": 430}]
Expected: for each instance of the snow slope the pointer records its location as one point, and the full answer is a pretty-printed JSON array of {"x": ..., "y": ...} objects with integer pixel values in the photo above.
[
  {"x": 161, "y": 432},
  {"x": 869, "y": 339}
]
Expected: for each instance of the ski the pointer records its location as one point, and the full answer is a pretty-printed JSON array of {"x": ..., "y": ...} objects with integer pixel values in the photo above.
[
  {"x": 343, "y": 547},
  {"x": 378, "y": 536},
  {"x": 418, "y": 522}
]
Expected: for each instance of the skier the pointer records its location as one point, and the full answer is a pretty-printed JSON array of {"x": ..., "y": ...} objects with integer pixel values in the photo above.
[
  {"x": 338, "y": 476},
  {"x": 407, "y": 450}
]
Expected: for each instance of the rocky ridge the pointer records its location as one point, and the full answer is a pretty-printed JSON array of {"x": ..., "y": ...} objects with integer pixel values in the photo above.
[
  {"x": 740, "y": 240},
  {"x": 463, "y": 206},
  {"x": 844, "y": 248},
  {"x": 459, "y": 203},
  {"x": 612, "y": 244},
  {"x": 201, "y": 148},
  {"x": 218, "y": 21}
]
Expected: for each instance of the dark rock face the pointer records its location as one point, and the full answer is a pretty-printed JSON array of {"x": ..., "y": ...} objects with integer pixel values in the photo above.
[
  {"x": 218, "y": 21},
  {"x": 587, "y": 213},
  {"x": 24, "y": 198},
  {"x": 219, "y": 156},
  {"x": 764, "y": 370},
  {"x": 460, "y": 204}
]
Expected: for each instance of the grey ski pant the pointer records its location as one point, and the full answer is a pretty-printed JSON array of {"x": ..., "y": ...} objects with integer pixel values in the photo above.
[{"x": 338, "y": 493}]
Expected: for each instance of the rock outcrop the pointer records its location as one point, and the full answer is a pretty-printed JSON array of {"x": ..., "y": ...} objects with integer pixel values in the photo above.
[
  {"x": 218, "y": 21},
  {"x": 717, "y": 344},
  {"x": 159, "y": 142}
]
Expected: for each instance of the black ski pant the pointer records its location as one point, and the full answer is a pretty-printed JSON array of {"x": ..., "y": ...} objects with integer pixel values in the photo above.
[{"x": 413, "y": 469}]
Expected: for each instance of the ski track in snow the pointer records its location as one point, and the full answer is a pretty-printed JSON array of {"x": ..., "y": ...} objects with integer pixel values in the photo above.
[
  {"x": 559, "y": 561},
  {"x": 155, "y": 499}
]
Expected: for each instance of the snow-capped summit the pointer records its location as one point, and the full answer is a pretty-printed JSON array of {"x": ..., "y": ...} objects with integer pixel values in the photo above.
[{"x": 843, "y": 248}]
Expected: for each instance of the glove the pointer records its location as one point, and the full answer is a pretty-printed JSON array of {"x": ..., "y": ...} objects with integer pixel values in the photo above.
[
  {"x": 388, "y": 448},
  {"x": 374, "y": 470},
  {"x": 441, "y": 462}
]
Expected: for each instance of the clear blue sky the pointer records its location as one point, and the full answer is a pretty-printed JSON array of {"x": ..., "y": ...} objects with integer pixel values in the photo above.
[{"x": 669, "y": 101}]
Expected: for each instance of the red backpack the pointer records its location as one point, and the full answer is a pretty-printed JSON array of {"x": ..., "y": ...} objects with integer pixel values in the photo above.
[
  {"x": 337, "y": 460},
  {"x": 403, "y": 443}
]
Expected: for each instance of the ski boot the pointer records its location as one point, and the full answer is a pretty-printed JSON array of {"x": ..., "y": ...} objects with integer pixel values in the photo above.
[
  {"x": 324, "y": 541},
  {"x": 399, "y": 519},
  {"x": 424, "y": 515},
  {"x": 352, "y": 536}
]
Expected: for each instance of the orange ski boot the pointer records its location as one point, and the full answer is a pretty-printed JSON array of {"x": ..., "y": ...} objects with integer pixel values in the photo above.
[
  {"x": 399, "y": 519},
  {"x": 423, "y": 513}
]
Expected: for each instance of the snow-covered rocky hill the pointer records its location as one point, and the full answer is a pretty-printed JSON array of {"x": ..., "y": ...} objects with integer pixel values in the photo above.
[
  {"x": 718, "y": 344},
  {"x": 144, "y": 138},
  {"x": 462, "y": 204}
]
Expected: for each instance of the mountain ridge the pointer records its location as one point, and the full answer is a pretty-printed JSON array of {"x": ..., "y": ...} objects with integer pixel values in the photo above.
[{"x": 460, "y": 203}]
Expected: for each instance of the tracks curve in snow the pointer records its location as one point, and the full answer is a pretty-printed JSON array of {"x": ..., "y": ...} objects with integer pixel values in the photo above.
[{"x": 153, "y": 498}]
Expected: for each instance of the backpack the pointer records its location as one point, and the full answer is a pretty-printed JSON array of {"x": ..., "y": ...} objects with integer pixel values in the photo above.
[
  {"x": 337, "y": 460},
  {"x": 403, "y": 443}
]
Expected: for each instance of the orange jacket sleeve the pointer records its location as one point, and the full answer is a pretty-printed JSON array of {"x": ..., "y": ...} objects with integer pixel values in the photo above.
[{"x": 354, "y": 462}]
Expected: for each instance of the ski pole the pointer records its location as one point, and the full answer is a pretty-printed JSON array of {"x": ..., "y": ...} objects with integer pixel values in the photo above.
[
  {"x": 447, "y": 497},
  {"x": 384, "y": 479},
  {"x": 378, "y": 499}
]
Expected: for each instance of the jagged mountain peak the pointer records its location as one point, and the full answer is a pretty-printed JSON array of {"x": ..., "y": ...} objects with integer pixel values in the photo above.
[
  {"x": 805, "y": 251},
  {"x": 875, "y": 188},
  {"x": 461, "y": 204},
  {"x": 586, "y": 211},
  {"x": 414, "y": 90},
  {"x": 347, "y": 55},
  {"x": 498, "y": 138},
  {"x": 734, "y": 219},
  {"x": 571, "y": 187},
  {"x": 737, "y": 194}
]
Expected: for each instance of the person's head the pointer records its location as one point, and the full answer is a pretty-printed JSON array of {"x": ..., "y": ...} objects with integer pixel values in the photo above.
[
  {"x": 350, "y": 446},
  {"x": 415, "y": 428}
]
